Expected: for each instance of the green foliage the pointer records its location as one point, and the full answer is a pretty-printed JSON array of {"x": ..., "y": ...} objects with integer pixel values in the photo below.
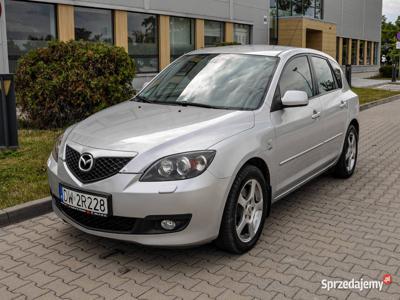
[
  {"x": 386, "y": 71},
  {"x": 223, "y": 44},
  {"x": 389, "y": 31},
  {"x": 68, "y": 81}
]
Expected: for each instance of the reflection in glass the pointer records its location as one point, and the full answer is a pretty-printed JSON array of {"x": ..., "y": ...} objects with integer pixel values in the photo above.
[
  {"x": 354, "y": 52},
  {"x": 297, "y": 76},
  {"x": 323, "y": 74},
  {"x": 273, "y": 23},
  {"x": 369, "y": 45},
  {"x": 213, "y": 33},
  {"x": 92, "y": 24},
  {"x": 143, "y": 41},
  {"x": 181, "y": 36},
  {"x": 29, "y": 26},
  {"x": 309, "y": 8},
  {"x": 242, "y": 34},
  {"x": 230, "y": 81},
  {"x": 345, "y": 52},
  {"x": 362, "y": 45}
]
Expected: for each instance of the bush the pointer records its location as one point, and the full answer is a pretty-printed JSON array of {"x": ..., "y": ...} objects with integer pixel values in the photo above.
[
  {"x": 68, "y": 81},
  {"x": 386, "y": 71}
]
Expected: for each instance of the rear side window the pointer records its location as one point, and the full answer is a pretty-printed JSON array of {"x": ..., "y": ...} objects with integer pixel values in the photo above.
[
  {"x": 297, "y": 76},
  {"x": 338, "y": 74},
  {"x": 323, "y": 75}
]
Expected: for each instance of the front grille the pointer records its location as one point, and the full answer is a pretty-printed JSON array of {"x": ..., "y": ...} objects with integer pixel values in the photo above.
[
  {"x": 104, "y": 167},
  {"x": 115, "y": 224}
]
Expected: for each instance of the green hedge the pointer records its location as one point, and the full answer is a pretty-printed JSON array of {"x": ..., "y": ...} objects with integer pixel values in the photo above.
[
  {"x": 68, "y": 81},
  {"x": 386, "y": 71}
]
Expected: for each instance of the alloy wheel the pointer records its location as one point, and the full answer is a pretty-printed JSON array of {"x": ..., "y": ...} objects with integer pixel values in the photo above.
[{"x": 249, "y": 211}]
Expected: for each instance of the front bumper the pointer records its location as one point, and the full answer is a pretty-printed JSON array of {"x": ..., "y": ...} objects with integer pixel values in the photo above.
[{"x": 202, "y": 198}]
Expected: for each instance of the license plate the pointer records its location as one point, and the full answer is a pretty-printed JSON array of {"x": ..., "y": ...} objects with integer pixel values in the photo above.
[{"x": 86, "y": 202}]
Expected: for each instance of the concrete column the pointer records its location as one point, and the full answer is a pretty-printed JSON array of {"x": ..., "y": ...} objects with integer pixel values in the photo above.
[
  {"x": 65, "y": 22},
  {"x": 199, "y": 34},
  {"x": 165, "y": 47},
  {"x": 121, "y": 29}
]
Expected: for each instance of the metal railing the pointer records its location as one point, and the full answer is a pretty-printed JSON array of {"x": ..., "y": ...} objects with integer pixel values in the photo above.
[{"x": 8, "y": 113}]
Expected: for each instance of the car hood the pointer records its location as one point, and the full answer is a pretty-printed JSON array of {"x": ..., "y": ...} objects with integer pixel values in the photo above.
[{"x": 140, "y": 127}]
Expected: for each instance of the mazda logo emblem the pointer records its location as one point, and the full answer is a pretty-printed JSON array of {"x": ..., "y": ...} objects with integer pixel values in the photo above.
[{"x": 86, "y": 162}]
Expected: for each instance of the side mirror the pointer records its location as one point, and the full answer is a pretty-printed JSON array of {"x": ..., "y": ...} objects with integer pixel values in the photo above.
[{"x": 294, "y": 99}]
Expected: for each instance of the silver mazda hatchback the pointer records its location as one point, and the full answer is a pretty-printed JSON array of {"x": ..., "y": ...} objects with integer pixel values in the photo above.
[{"x": 206, "y": 147}]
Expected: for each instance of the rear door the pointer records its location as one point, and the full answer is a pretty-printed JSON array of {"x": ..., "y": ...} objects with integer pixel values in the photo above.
[
  {"x": 298, "y": 130},
  {"x": 334, "y": 106}
]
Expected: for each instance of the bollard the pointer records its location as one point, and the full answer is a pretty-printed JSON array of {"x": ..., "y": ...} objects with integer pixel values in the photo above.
[
  {"x": 394, "y": 73},
  {"x": 8, "y": 114},
  {"x": 348, "y": 74}
]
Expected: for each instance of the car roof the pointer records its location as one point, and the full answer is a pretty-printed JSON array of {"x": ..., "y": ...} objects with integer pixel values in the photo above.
[{"x": 265, "y": 50}]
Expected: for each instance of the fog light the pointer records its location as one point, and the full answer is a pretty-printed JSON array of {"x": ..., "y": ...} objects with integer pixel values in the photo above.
[{"x": 168, "y": 224}]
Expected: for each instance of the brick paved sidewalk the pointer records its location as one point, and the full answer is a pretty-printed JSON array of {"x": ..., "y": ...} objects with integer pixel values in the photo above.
[{"x": 330, "y": 229}]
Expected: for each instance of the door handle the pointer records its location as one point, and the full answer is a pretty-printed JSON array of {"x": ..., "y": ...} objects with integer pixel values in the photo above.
[
  {"x": 343, "y": 104},
  {"x": 316, "y": 115}
]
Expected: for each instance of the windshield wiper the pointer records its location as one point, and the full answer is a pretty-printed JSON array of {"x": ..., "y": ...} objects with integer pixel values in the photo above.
[{"x": 198, "y": 105}]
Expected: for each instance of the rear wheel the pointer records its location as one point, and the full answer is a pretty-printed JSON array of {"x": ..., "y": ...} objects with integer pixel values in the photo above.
[
  {"x": 348, "y": 159},
  {"x": 245, "y": 211}
]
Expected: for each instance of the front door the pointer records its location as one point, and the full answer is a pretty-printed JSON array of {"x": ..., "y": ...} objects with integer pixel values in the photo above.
[{"x": 298, "y": 130}]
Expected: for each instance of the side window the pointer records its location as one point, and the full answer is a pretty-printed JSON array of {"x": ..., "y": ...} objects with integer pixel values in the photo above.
[
  {"x": 323, "y": 75},
  {"x": 338, "y": 74},
  {"x": 297, "y": 76}
]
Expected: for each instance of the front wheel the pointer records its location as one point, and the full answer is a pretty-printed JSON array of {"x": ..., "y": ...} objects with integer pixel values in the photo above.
[
  {"x": 348, "y": 159},
  {"x": 245, "y": 211}
]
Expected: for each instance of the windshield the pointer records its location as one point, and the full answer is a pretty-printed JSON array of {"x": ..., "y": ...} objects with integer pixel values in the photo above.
[{"x": 225, "y": 81}]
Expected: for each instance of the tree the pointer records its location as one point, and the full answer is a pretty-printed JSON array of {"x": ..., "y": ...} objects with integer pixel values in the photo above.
[{"x": 389, "y": 32}]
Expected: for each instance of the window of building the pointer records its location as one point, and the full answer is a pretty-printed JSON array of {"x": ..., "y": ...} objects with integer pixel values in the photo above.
[
  {"x": 354, "y": 52},
  {"x": 376, "y": 53},
  {"x": 296, "y": 76},
  {"x": 95, "y": 25},
  {"x": 337, "y": 49},
  {"x": 30, "y": 25},
  {"x": 362, "y": 45},
  {"x": 323, "y": 75},
  {"x": 369, "y": 45},
  {"x": 309, "y": 8},
  {"x": 213, "y": 33},
  {"x": 143, "y": 41},
  {"x": 182, "y": 36},
  {"x": 345, "y": 51},
  {"x": 273, "y": 22},
  {"x": 242, "y": 34}
]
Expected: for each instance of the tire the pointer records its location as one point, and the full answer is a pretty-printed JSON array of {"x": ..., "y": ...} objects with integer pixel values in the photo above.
[
  {"x": 235, "y": 214},
  {"x": 346, "y": 165}
]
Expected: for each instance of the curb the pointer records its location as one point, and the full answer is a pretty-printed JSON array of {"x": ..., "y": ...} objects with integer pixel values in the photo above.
[
  {"x": 22, "y": 212},
  {"x": 40, "y": 207},
  {"x": 379, "y": 102}
]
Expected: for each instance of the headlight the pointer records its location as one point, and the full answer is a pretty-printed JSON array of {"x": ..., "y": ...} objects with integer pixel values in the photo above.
[
  {"x": 56, "y": 148},
  {"x": 179, "y": 166}
]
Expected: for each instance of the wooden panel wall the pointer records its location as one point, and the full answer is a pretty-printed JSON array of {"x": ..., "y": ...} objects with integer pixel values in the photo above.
[
  {"x": 199, "y": 33},
  {"x": 65, "y": 22},
  {"x": 165, "y": 50},
  {"x": 121, "y": 29},
  {"x": 229, "y": 32}
]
